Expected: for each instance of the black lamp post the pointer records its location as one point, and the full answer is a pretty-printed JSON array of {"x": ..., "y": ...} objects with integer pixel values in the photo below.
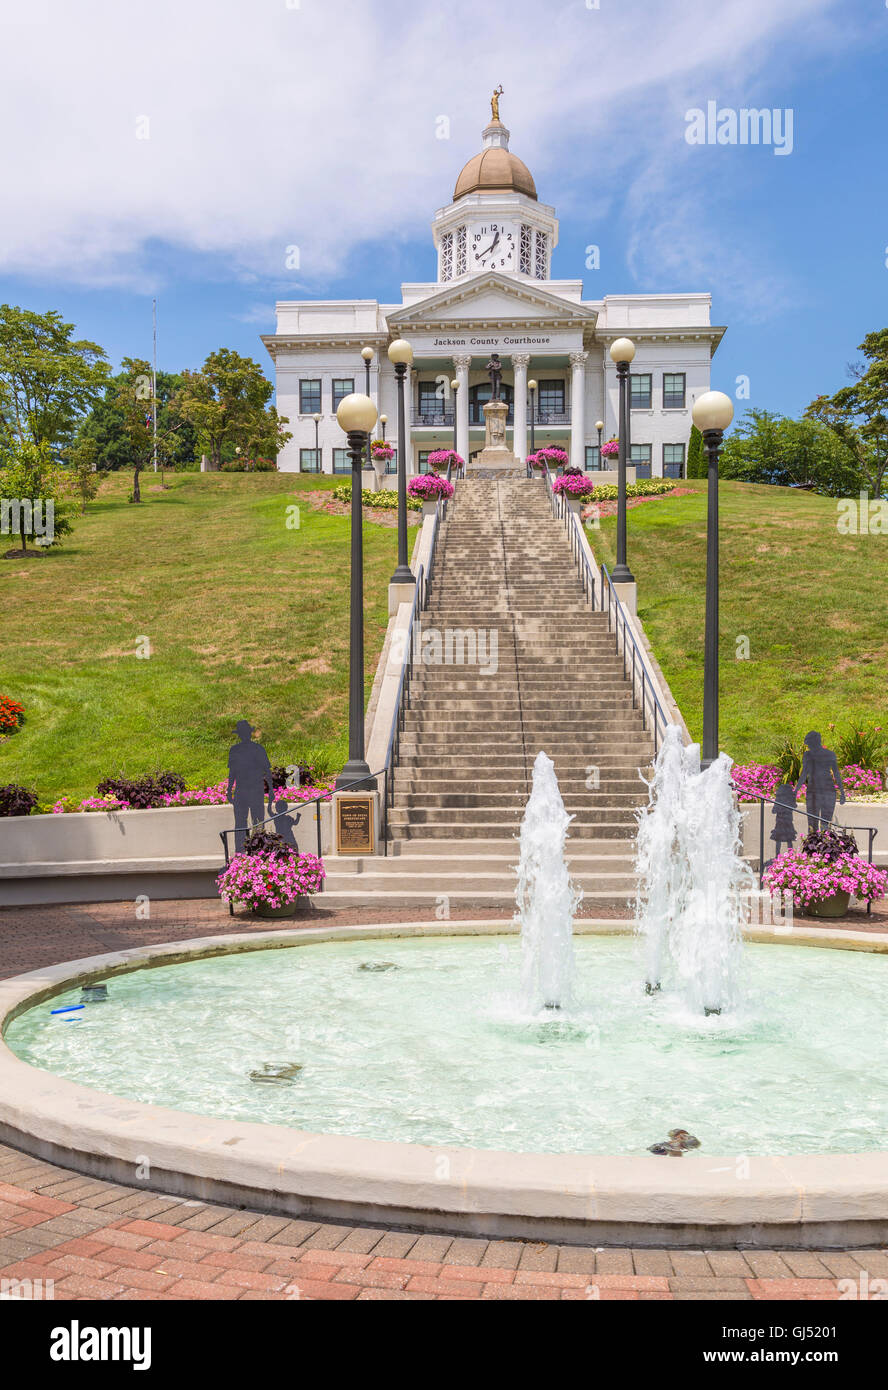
[
  {"x": 401, "y": 356},
  {"x": 317, "y": 419},
  {"x": 532, "y": 388},
  {"x": 357, "y": 416},
  {"x": 622, "y": 352},
  {"x": 367, "y": 354},
  {"x": 599, "y": 425},
  {"x": 713, "y": 412},
  {"x": 383, "y": 420},
  {"x": 454, "y": 386}
]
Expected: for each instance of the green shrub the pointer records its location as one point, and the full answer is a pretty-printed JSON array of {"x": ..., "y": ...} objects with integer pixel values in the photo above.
[
  {"x": 386, "y": 501},
  {"x": 788, "y": 757},
  {"x": 864, "y": 747},
  {"x": 653, "y": 487}
]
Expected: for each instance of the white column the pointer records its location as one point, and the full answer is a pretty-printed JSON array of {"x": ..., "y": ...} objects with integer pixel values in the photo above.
[
  {"x": 578, "y": 409},
  {"x": 520, "y": 363},
  {"x": 461, "y": 366}
]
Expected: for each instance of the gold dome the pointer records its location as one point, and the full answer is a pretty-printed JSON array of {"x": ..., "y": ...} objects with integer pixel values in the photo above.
[{"x": 495, "y": 170}]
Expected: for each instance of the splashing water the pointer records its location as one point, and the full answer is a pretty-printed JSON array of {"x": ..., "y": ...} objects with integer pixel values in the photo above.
[
  {"x": 546, "y": 897},
  {"x": 692, "y": 883}
]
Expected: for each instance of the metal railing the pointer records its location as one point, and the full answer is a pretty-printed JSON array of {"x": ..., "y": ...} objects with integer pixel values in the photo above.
[
  {"x": 431, "y": 415},
  {"x": 823, "y": 824}
]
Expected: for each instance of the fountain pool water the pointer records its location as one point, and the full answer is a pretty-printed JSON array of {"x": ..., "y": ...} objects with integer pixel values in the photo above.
[{"x": 439, "y": 1051}]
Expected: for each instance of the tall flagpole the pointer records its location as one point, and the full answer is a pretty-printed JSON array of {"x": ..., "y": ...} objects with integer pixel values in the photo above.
[{"x": 154, "y": 384}]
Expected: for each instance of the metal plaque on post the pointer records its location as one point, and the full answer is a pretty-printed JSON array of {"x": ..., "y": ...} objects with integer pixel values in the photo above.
[{"x": 355, "y": 828}]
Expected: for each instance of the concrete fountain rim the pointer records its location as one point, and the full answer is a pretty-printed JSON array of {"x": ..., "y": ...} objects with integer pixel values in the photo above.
[{"x": 803, "y": 1200}]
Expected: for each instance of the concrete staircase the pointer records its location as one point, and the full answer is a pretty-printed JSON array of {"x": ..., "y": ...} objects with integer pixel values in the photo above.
[{"x": 546, "y": 677}]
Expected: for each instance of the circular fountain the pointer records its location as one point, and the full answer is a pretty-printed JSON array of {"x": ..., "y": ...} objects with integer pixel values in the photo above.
[{"x": 473, "y": 1079}]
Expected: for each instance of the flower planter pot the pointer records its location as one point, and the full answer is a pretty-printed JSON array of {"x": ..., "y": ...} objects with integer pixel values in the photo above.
[
  {"x": 429, "y": 508},
  {"x": 292, "y": 909},
  {"x": 836, "y": 906}
]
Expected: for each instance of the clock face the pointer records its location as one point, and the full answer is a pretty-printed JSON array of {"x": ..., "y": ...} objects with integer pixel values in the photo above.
[{"x": 494, "y": 246}]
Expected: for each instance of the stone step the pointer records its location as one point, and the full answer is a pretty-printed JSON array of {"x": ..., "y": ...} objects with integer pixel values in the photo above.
[
  {"x": 437, "y": 850},
  {"x": 400, "y": 827},
  {"x": 575, "y": 801},
  {"x": 496, "y": 815}
]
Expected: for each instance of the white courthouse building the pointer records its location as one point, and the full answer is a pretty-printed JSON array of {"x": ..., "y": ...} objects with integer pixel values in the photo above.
[{"x": 496, "y": 245}]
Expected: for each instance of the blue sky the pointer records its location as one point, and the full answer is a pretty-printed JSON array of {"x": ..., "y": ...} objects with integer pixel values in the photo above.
[{"x": 263, "y": 133}]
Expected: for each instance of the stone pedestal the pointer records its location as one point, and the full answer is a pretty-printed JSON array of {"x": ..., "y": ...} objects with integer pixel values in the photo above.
[
  {"x": 628, "y": 596},
  {"x": 369, "y": 480},
  {"x": 496, "y": 452}
]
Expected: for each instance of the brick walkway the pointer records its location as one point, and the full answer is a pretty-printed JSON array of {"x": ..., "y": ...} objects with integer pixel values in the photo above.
[{"x": 99, "y": 1240}]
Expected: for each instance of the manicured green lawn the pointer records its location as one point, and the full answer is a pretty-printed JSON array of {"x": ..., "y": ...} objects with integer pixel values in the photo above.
[
  {"x": 246, "y": 619},
  {"x": 811, "y": 602}
]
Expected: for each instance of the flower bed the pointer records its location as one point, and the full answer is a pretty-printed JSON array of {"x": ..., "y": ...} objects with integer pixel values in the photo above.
[
  {"x": 429, "y": 487},
  {"x": 12, "y": 715},
  {"x": 272, "y": 879},
  {"x": 826, "y": 864},
  {"x": 446, "y": 458},
  {"x": 575, "y": 485},
  {"x": 551, "y": 456},
  {"x": 195, "y": 796},
  {"x": 652, "y": 487},
  {"x": 385, "y": 500},
  {"x": 753, "y": 780}
]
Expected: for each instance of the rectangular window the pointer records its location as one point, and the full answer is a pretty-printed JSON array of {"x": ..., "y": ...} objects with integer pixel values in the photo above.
[
  {"x": 342, "y": 387},
  {"x": 309, "y": 398},
  {"x": 447, "y": 256},
  {"x": 431, "y": 400},
  {"x": 526, "y": 261},
  {"x": 461, "y": 251},
  {"x": 541, "y": 266},
  {"x": 641, "y": 460},
  {"x": 341, "y": 461},
  {"x": 424, "y": 460},
  {"x": 550, "y": 398},
  {"x": 310, "y": 460},
  {"x": 392, "y": 464},
  {"x": 673, "y": 390},
  {"x": 673, "y": 460},
  {"x": 593, "y": 459},
  {"x": 640, "y": 384}
]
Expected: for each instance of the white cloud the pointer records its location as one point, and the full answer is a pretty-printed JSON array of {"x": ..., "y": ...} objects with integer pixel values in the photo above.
[{"x": 271, "y": 127}]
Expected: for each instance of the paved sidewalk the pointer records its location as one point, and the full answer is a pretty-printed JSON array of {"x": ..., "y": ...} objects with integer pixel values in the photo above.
[{"x": 99, "y": 1240}]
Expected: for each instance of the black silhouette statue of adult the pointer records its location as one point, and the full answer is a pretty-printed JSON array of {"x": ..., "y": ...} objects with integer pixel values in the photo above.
[
  {"x": 248, "y": 773},
  {"x": 822, "y": 780},
  {"x": 495, "y": 372}
]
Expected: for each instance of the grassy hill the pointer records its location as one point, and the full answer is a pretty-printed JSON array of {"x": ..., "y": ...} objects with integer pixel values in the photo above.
[
  {"x": 246, "y": 618},
  {"x": 810, "y": 601}
]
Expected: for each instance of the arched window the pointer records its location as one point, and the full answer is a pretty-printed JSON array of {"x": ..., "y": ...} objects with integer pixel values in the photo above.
[{"x": 479, "y": 396}]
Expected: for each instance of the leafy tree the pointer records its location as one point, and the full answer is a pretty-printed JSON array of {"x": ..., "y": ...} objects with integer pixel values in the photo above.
[
  {"x": 133, "y": 401},
  {"x": 80, "y": 458},
  {"x": 33, "y": 488},
  {"x": 104, "y": 424},
  {"x": 47, "y": 378},
  {"x": 858, "y": 414},
  {"x": 697, "y": 465},
  {"x": 227, "y": 403},
  {"x": 769, "y": 448}
]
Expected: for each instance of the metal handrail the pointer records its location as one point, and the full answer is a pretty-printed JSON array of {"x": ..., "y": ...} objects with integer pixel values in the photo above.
[
  {"x": 870, "y": 830},
  {"x": 616, "y": 614}
]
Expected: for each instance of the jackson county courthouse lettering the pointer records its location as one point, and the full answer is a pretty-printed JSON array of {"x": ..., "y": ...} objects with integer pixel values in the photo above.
[{"x": 495, "y": 292}]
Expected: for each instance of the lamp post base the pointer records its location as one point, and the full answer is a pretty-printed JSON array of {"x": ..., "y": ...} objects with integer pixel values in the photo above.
[
  {"x": 622, "y": 574},
  {"x": 403, "y": 575},
  {"x": 355, "y": 770}
]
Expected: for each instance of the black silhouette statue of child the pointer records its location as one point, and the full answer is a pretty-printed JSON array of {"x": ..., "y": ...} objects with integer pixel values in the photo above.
[
  {"x": 784, "y": 832},
  {"x": 822, "y": 781},
  {"x": 284, "y": 823},
  {"x": 249, "y": 771}
]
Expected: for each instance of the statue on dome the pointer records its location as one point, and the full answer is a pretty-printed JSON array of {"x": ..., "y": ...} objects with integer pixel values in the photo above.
[
  {"x": 495, "y": 372},
  {"x": 494, "y": 101}
]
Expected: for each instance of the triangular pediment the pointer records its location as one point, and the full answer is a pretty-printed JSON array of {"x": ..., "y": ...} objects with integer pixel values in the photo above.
[{"x": 492, "y": 298}]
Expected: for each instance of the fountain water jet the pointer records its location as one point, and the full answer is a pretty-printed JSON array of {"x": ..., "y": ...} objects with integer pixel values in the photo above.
[
  {"x": 693, "y": 886},
  {"x": 546, "y": 897}
]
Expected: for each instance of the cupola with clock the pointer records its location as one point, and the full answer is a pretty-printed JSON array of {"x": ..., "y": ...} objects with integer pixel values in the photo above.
[{"x": 496, "y": 221}]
